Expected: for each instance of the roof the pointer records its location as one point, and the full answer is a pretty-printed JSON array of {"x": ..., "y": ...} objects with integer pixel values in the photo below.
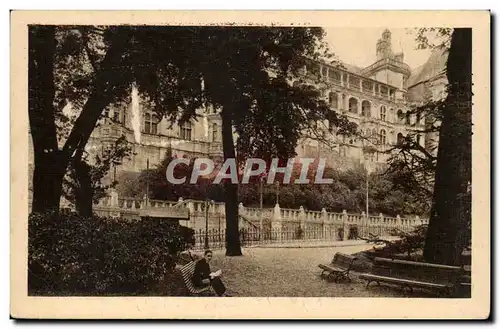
[
  {"x": 432, "y": 67},
  {"x": 352, "y": 68}
]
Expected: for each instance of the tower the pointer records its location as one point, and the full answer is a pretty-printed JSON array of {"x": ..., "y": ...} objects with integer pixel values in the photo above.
[
  {"x": 384, "y": 46},
  {"x": 389, "y": 67}
]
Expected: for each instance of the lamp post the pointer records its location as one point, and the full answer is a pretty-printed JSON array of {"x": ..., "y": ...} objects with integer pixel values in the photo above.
[
  {"x": 207, "y": 205},
  {"x": 147, "y": 182},
  {"x": 277, "y": 192},
  {"x": 367, "y": 151},
  {"x": 261, "y": 191}
]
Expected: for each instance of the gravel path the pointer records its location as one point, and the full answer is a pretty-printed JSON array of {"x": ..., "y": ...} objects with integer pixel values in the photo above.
[{"x": 293, "y": 272}]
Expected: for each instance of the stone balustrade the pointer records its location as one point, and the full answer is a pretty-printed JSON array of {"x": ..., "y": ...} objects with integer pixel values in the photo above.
[{"x": 114, "y": 205}]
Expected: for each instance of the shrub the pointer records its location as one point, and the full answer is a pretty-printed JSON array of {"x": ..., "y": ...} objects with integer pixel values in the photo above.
[
  {"x": 69, "y": 254},
  {"x": 408, "y": 243},
  {"x": 413, "y": 240}
]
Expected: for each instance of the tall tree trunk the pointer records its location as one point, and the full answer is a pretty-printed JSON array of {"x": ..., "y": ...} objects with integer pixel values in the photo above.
[
  {"x": 47, "y": 181},
  {"x": 50, "y": 165},
  {"x": 450, "y": 213},
  {"x": 233, "y": 246},
  {"x": 84, "y": 194},
  {"x": 50, "y": 162}
]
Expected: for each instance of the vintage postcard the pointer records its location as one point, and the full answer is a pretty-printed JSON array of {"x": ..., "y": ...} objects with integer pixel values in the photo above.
[{"x": 250, "y": 165}]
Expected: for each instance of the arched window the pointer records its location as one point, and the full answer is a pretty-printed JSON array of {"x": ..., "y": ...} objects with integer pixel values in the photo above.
[
  {"x": 333, "y": 100},
  {"x": 382, "y": 137},
  {"x": 215, "y": 132},
  {"x": 400, "y": 139},
  {"x": 382, "y": 113},
  {"x": 391, "y": 115},
  {"x": 418, "y": 139},
  {"x": 400, "y": 116},
  {"x": 365, "y": 108},
  {"x": 408, "y": 118},
  {"x": 353, "y": 105},
  {"x": 185, "y": 131}
]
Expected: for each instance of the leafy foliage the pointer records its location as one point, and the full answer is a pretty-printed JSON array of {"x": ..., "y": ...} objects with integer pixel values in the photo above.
[
  {"x": 414, "y": 165},
  {"x": 98, "y": 166},
  {"x": 347, "y": 191},
  {"x": 68, "y": 254},
  {"x": 411, "y": 241},
  {"x": 449, "y": 228}
]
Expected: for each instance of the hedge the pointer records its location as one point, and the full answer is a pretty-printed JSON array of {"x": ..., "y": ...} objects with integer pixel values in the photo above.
[{"x": 72, "y": 255}]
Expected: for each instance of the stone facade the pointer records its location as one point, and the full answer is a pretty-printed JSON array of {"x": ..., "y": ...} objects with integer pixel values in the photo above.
[{"x": 377, "y": 98}]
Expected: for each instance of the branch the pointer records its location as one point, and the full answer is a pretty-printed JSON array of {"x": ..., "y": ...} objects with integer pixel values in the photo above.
[
  {"x": 90, "y": 54},
  {"x": 100, "y": 97}
]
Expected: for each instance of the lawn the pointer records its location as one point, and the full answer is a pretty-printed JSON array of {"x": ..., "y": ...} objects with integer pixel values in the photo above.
[{"x": 293, "y": 272}]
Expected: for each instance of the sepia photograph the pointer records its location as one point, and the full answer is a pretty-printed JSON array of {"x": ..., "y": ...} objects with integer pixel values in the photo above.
[{"x": 246, "y": 162}]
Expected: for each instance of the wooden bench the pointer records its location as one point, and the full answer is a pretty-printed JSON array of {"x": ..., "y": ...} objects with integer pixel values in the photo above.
[
  {"x": 187, "y": 272},
  {"x": 408, "y": 274},
  {"x": 339, "y": 268}
]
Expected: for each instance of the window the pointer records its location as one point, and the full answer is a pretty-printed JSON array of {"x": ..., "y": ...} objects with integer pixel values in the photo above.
[
  {"x": 335, "y": 75},
  {"x": 354, "y": 82},
  {"x": 120, "y": 116},
  {"x": 353, "y": 105},
  {"x": 418, "y": 118},
  {"x": 185, "y": 131},
  {"x": 400, "y": 139},
  {"x": 382, "y": 113},
  {"x": 343, "y": 150},
  {"x": 150, "y": 123},
  {"x": 365, "y": 108},
  {"x": 116, "y": 115},
  {"x": 391, "y": 94},
  {"x": 324, "y": 71},
  {"x": 367, "y": 85},
  {"x": 418, "y": 139},
  {"x": 314, "y": 70},
  {"x": 124, "y": 117},
  {"x": 384, "y": 91},
  {"x": 400, "y": 116},
  {"x": 382, "y": 137},
  {"x": 215, "y": 132},
  {"x": 333, "y": 100},
  {"x": 408, "y": 118}
]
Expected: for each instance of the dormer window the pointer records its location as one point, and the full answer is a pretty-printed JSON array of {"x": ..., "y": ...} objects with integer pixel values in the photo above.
[
  {"x": 150, "y": 123},
  {"x": 185, "y": 131}
]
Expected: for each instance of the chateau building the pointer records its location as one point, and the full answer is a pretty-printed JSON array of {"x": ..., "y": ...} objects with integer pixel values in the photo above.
[{"x": 378, "y": 98}]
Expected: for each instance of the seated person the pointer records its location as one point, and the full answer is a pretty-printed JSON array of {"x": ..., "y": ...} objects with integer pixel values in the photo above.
[{"x": 203, "y": 276}]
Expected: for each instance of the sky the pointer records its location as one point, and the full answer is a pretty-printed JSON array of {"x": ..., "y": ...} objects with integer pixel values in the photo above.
[{"x": 357, "y": 46}]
